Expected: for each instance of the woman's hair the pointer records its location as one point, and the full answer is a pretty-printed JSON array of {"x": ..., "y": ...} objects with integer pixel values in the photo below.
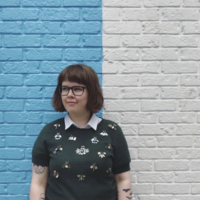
[{"x": 81, "y": 74}]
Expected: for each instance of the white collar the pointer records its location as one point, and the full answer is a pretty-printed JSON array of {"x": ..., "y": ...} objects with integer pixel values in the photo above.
[{"x": 93, "y": 122}]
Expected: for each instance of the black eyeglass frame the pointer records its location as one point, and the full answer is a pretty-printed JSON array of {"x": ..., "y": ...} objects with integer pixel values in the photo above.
[{"x": 71, "y": 88}]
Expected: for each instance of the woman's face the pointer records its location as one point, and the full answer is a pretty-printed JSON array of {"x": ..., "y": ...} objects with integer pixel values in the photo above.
[{"x": 72, "y": 103}]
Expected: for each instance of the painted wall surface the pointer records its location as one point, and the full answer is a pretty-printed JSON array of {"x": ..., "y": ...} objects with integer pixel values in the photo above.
[
  {"x": 151, "y": 82},
  {"x": 37, "y": 40},
  {"x": 150, "y": 51}
]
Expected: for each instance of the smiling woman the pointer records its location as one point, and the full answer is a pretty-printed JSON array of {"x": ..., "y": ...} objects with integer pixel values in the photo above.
[{"x": 73, "y": 154}]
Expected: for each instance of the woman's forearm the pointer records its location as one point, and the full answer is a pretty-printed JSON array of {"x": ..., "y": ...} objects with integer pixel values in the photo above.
[
  {"x": 37, "y": 192},
  {"x": 124, "y": 190}
]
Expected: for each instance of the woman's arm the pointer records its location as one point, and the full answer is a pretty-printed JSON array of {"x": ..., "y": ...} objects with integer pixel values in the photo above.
[
  {"x": 38, "y": 182},
  {"x": 123, "y": 182}
]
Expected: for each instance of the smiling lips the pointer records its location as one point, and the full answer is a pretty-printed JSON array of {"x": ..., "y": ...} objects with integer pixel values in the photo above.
[{"x": 71, "y": 103}]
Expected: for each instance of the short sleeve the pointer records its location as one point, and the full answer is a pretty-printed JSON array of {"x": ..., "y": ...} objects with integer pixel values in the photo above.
[
  {"x": 40, "y": 154},
  {"x": 121, "y": 153}
]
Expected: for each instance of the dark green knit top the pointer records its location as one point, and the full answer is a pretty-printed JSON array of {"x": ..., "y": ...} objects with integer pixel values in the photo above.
[{"x": 82, "y": 162}]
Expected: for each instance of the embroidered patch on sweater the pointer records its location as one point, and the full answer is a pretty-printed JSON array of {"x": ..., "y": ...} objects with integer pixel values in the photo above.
[{"x": 82, "y": 150}]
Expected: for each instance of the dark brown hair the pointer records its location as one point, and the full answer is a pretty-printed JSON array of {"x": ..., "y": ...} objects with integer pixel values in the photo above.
[{"x": 81, "y": 74}]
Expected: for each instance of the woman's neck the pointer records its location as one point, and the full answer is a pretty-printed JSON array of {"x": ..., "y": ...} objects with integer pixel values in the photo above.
[{"x": 80, "y": 120}]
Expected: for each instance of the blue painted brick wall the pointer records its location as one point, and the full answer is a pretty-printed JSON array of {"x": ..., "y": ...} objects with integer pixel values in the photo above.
[{"x": 37, "y": 40}]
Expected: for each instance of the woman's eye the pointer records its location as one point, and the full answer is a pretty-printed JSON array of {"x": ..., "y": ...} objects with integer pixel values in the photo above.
[
  {"x": 77, "y": 89},
  {"x": 64, "y": 89}
]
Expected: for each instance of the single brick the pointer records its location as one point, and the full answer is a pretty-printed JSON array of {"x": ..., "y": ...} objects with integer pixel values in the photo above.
[
  {"x": 191, "y": 3},
  {"x": 138, "y": 118},
  {"x": 11, "y": 154},
  {"x": 149, "y": 177},
  {"x": 19, "y": 189},
  {"x": 10, "y": 3},
  {"x": 179, "y": 93},
  {"x": 180, "y": 14},
  {"x": 81, "y": 3},
  {"x": 127, "y": 27},
  {"x": 188, "y": 129},
  {"x": 12, "y": 129},
  {"x": 92, "y": 14},
  {"x": 157, "y": 130},
  {"x": 190, "y": 80},
  {"x": 161, "y": 27},
  {"x": 126, "y": 80},
  {"x": 162, "y": 3},
  {"x": 13, "y": 177},
  {"x": 179, "y": 41},
  {"x": 163, "y": 165},
  {"x": 82, "y": 27},
  {"x": 37, "y": 105},
  {"x": 160, "y": 80},
  {"x": 188, "y": 153},
  {"x": 10, "y": 54},
  {"x": 172, "y": 189},
  {"x": 23, "y": 118},
  {"x": 51, "y": 116},
  {"x": 92, "y": 41},
  {"x": 2, "y": 167},
  {"x": 139, "y": 67},
  {"x": 140, "y": 165},
  {"x": 46, "y": 80},
  {"x": 135, "y": 142},
  {"x": 13, "y": 79},
  {"x": 189, "y": 105},
  {"x": 179, "y": 67},
  {"x": 175, "y": 142},
  {"x": 3, "y": 189},
  {"x": 187, "y": 177},
  {"x": 21, "y": 67},
  {"x": 13, "y": 197},
  {"x": 83, "y": 54},
  {"x": 1, "y": 92},
  {"x": 20, "y": 14},
  {"x": 22, "y": 41},
  {"x": 140, "y": 14},
  {"x": 61, "y": 41},
  {"x": 10, "y": 27},
  {"x": 42, "y": 27},
  {"x": 160, "y": 54},
  {"x": 111, "y": 41},
  {"x": 190, "y": 27},
  {"x": 43, "y": 54},
  {"x": 117, "y": 3},
  {"x": 190, "y": 54},
  {"x": 186, "y": 118},
  {"x": 121, "y": 54},
  {"x": 11, "y": 105},
  {"x": 129, "y": 129},
  {"x": 155, "y": 153},
  {"x": 17, "y": 166},
  {"x": 121, "y": 105},
  {"x": 140, "y": 41},
  {"x": 61, "y": 14},
  {"x": 24, "y": 92},
  {"x": 142, "y": 188},
  {"x": 110, "y": 14},
  {"x": 44, "y": 3},
  {"x": 20, "y": 141},
  {"x": 32, "y": 129}
]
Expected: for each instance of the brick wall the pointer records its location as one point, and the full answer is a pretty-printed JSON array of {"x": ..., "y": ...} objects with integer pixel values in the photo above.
[
  {"x": 37, "y": 40},
  {"x": 151, "y": 51}
]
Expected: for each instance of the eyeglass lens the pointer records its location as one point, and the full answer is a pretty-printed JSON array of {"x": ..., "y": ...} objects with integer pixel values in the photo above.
[{"x": 78, "y": 91}]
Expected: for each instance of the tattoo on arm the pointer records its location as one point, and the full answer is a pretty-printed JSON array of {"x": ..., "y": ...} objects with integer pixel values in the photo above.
[
  {"x": 126, "y": 190},
  {"x": 38, "y": 169},
  {"x": 42, "y": 196},
  {"x": 130, "y": 195}
]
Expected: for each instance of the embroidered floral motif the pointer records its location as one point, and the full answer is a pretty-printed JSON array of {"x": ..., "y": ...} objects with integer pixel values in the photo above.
[
  {"x": 93, "y": 167},
  {"x": 109, "y": 146},
  {"x": 55, "y": 174},
  {"x": 58, "y": 150},
  {"x": 82, "y": 150},
  {"x": 101, "y": 154},
  {"x": 94, "y": 140},
  {"x": 56, "y": 126},
  {"x": 58, "y": 136},
  {"x": 66, "y": 165},
  {"x": 81, "y": 177},
  {"x": 72, "y": 138},
  {"x": 112, "y": 126},
  {"x": 103, "y": 133},
  {"x": 108, "y": 173}
]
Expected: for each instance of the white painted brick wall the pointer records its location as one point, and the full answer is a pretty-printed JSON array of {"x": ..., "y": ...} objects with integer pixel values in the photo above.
[{"x": 151, "y": 85}]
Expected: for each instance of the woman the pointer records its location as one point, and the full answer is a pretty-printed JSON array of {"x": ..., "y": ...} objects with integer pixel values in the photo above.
[{"x": 81, "y": 156}]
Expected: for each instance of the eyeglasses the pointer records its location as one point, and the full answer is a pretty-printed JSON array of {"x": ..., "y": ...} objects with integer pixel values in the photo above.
[{"x": 76, "y": 90}]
